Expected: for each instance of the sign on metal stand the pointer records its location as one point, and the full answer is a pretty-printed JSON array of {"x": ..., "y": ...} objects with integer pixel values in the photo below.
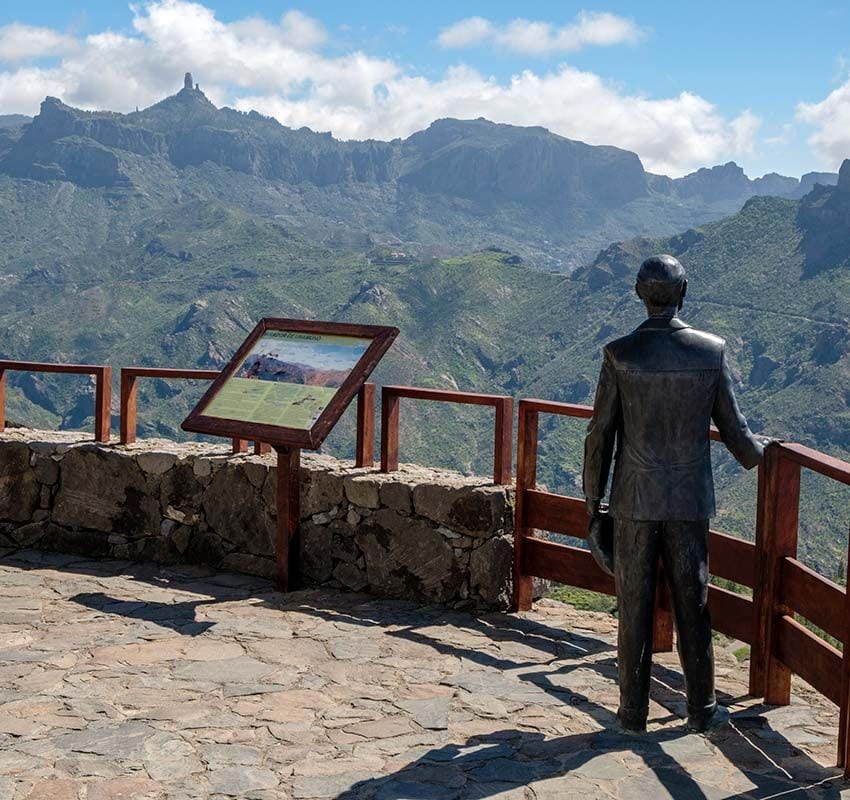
[{"x": 288, "y": 385}]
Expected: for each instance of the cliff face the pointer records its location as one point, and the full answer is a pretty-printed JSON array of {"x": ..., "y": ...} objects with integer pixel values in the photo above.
[
  {"x": 481, "y": 160},
  {"x": 63, "y": 143},
  {"x": 824, "y": 217}
]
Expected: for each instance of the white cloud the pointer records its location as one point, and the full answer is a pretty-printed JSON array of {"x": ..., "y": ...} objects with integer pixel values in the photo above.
[
  {"x": 281, "y": 69},
  {"x": 472, "y": 30},
  {"x": 20, "y": 42},
  {"x": 831, "y": 121},
  {"x": 672, "y": 136},
  {"x": 590, "y": 28},
  {"x": 302, "y": 31}
]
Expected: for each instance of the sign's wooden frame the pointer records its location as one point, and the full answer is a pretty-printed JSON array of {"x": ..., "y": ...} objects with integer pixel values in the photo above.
[{"x": 277, "y": 436}]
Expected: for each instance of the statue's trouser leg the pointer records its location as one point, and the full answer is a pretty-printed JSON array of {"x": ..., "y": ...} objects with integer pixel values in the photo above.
[
  {"x": 684, "y": 548},
  {"x": 636, "y": 551}
]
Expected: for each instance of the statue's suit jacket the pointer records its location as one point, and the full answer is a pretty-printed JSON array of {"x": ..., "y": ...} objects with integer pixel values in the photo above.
[{"x": 658, "y": 391}]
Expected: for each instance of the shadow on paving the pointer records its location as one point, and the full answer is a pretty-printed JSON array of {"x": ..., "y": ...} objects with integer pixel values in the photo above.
[
  {"x": 511, "y": 759},
  {"x": 178, "y": 617},
  {"x": 490, "y": 764}
]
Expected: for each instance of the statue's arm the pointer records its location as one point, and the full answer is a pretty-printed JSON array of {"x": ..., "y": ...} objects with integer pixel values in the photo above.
[
  {"x": 732, "y": 424},
  {"x": 601, "y": 435}
]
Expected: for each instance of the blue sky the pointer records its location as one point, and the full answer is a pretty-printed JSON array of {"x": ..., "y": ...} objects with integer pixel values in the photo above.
[{"x": 764, "y": 84}]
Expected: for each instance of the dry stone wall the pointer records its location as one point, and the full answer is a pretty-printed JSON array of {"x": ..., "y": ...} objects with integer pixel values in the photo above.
[{"x": 419, "y": 534}]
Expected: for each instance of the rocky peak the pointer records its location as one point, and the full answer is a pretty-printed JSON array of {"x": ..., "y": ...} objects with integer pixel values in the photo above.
[
  {"x": 714, "y": 183},
  {"x": 54, "y": 120},
  {"x": 844, "y": 176},
  {"x": 812, "y": 179},
  {"x": 187, "y": 81}
]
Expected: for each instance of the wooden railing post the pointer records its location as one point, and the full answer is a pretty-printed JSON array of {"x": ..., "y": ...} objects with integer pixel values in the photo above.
[
  {"x": 844, "y": 719},
  {"x": 526, "y": 478},
  {"x": 662, "y": 620},
  {"x": 262, "y": 448},
  {"x": 504, "y": 443},
  {"x": 778, "y": 541},
  {"x": 365, "y": 443},
  {"x": 103, "y": 404},
  {"x": 757, "y": 651},
  {"x": 240, "y": 446},
  {"x": 2, "y": 400},
  {"x": 389, "y": 430},
  {"x": 129, "y": 392}
]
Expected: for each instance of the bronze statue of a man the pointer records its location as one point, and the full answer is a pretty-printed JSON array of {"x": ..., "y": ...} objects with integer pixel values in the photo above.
[{"x": 659, "y": 389}]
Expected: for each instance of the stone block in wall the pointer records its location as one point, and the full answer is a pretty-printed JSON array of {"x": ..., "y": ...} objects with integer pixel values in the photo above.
[
  {"x": 316, "y": 555},
  {"x": 46, "y": 470},
  {"x": 180, "y": 493},
  {"x": 205, "y": 546},
  {"x": 351, "y": 577},
  {"x": 490, "y": 568},
  {"x": 235, "y": 511},
  {"x": 397, "y": 495},
  {"x": 321, "y": 485},
  {"x": 363, "y": 490},
  {"x": 407, "y": 557},
  {"x": 250, "y": 565},
  {"x": 474, "y": 509},
  {"x": 19, "y": 488},
  {"x": 104, "y": 490}
]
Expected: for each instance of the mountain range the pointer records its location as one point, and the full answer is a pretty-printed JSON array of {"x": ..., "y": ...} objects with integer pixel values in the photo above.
[
  {"x": 458, "y": 185},
  {"x": 172, "y": 259}
]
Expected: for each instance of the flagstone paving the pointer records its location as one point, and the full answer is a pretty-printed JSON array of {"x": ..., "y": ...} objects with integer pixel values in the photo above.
[{"x": 123, "y": 680}]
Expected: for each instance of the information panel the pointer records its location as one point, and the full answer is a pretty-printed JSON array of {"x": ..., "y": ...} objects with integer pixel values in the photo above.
[{"x": 290, "y": 381}]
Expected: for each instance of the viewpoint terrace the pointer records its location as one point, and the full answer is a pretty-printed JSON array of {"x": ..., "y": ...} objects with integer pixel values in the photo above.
[{"x": 135, "y": 661}]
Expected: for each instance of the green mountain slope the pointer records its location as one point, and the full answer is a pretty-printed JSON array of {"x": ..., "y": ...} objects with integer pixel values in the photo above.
[{"x": 184, "y": 292}]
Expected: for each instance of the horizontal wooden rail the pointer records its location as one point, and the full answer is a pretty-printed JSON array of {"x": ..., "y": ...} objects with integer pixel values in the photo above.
[
  {"x": 816, "y": 461},
  {"x": 503, "y": 445},
  {"x": 535, "y": 405},
  {"x": 103, "y": 389},
  {"x": 555, "y": 513},
  {"x": 129, "y": 396},
  {"x": 732, "y": 558},
  {"x": 732, "y": 614},
  {"x": 814, "y": 597},
  {"x": 808, "y": 656},
  {"x": 539, "y": 406},
  {"x": 564, "y": 563}
]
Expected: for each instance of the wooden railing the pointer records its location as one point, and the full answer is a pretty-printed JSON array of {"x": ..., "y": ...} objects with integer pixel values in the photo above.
[
  {"x": 788, "y": 588},
  {"x": 129, "y": 396},
  {"x": 782, "y": 586},
  {"x": 103, "y": 389},
  {"x": 503, "y": 428}
]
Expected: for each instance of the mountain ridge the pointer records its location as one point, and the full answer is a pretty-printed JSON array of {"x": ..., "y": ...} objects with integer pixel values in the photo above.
[{"x": 455, "y": 185}]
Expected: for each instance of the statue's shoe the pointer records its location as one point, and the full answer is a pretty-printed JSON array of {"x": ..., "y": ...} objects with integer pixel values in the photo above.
[{"x": 718, "y": 720}]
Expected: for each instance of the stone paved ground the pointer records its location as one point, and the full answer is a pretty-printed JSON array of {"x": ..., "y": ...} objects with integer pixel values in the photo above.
[{"x": 124, "y": 681}]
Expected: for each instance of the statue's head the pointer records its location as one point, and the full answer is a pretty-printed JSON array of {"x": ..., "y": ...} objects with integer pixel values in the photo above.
[{"x": 661, "y": 284}]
